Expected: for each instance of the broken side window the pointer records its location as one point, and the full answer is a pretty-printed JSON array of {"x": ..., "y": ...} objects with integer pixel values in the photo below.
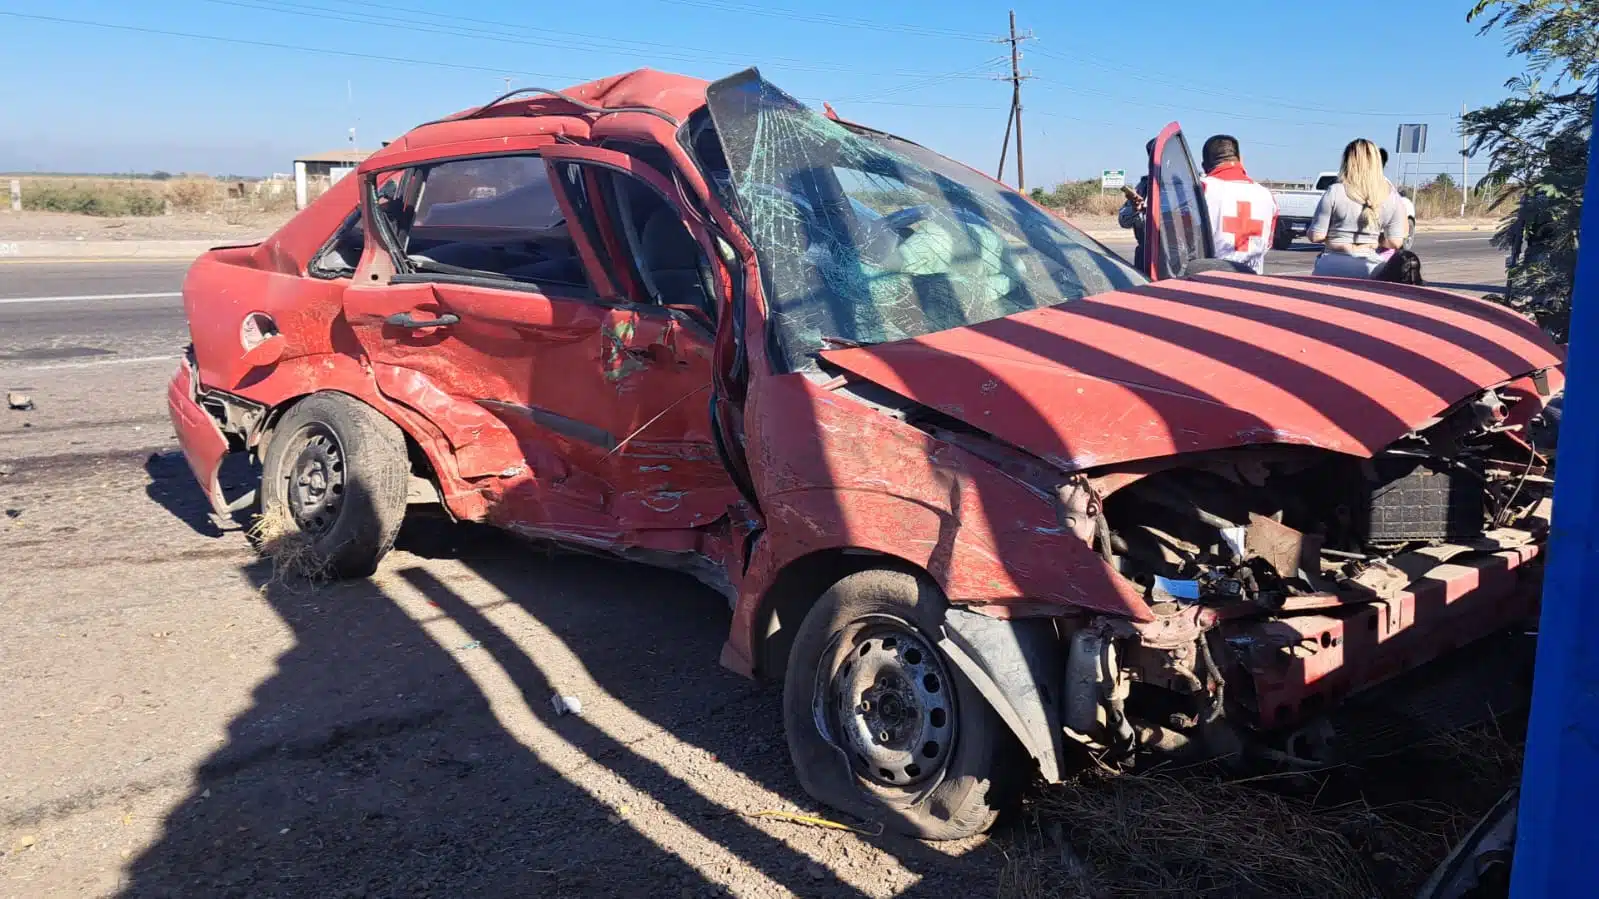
[
  {"x": 492, "y": 216},
  {"x": 865, "y": 238},
  {"x": 342, "y": 254}
]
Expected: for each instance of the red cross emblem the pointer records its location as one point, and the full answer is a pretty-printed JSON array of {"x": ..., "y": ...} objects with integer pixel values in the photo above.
[{"x": 1243, "y": 226}]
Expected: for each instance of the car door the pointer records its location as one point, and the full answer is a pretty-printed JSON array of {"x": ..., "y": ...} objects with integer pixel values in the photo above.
[
  {"x": 503, "y": 325},
  {"x": 1178, "y": 223},
  {"x": 660, "y": 353}
]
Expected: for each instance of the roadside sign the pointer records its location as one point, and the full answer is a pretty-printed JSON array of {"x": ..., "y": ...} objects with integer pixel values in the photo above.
[
  {"x": 1112, "y": 179},
  {"x": 1412, "y": 139}
]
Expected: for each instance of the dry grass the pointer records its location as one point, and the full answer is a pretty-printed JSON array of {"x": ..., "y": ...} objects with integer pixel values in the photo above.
[
  {"x": 1356, "y": 832},
  {"x": 93, "y": 196},
  {"x": 1079, "y": 198},
  {"x": 194, "y": 194},
  {"x": 1434, "y": 203},
  {"x": 295, "y": 560},
  {"x": 145, "y": 197}
]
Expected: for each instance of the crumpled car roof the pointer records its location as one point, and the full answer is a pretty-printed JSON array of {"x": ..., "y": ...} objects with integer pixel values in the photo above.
[{"x": 675, "y": 95}]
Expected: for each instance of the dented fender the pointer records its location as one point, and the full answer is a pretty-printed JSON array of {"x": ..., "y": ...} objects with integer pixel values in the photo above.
[
  {"x": 291, "y": 379},
  {"x": 836, "y": 475},
  {"x": 482, "y": 444}
]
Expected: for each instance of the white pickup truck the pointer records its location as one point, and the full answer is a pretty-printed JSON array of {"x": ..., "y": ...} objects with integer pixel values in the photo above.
[{"x": 1296, "y": 208}]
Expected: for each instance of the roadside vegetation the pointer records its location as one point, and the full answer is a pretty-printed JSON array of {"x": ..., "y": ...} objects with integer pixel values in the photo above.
[
  {"x": 1078, "y": 198},
  {"x": 152, "y": 195},
  {"x": 1537, "y": 139},
  {"x": 1373, "y": 829},
  {"x": 1439, "y": 199}
]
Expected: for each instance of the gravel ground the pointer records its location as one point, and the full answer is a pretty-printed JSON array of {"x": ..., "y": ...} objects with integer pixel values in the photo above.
[
  {"x": 177, "y": 723},
  {"x": 34, "y": 225}
]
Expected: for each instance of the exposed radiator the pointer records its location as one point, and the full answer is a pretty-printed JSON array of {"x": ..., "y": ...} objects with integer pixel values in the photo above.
[{"x": 1416, "y": 499}]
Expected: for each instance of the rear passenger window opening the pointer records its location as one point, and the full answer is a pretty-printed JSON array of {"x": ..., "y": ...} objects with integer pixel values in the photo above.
[{"x": 495, "y": 217}]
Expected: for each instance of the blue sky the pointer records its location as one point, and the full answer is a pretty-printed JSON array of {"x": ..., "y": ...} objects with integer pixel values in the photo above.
[{"x": 1293, "y": 81}]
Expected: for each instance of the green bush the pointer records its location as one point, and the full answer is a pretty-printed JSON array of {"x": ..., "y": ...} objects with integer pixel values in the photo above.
[
  {"x": 105, "y": 200},
  {"x": 1078, "y": 198}
]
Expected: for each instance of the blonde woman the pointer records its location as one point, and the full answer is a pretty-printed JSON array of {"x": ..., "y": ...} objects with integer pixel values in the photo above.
[{"x": 1358, "y": 217}]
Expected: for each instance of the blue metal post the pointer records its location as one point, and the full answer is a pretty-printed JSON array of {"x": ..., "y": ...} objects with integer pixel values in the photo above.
[{"x": 1557, "y": 838}]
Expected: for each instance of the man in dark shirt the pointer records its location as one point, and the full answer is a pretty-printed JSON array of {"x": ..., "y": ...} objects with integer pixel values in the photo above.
[{"x": 1131, "y": 215}]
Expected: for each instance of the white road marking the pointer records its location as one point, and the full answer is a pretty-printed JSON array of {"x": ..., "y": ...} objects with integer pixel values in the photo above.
[
  {"x": 130, "y": 361},
  {"x": 1460, "y": 239},
  {"x": 91, "y": 297}
]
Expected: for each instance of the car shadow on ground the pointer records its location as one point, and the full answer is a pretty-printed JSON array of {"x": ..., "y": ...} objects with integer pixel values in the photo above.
[
  {"x": 406, "y": 744},
  {"x": 172, "y": 487}
]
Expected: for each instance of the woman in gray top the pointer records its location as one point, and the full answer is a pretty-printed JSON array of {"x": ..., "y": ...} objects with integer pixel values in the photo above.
[{"x": 1358, "y": 217}]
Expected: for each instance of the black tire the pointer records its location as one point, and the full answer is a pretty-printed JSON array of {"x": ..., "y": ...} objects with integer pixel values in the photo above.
[
  {"x": 979, "y": 771},
  {"x": 1283, "y": 237},
  {"x": 364, "y": 471}
]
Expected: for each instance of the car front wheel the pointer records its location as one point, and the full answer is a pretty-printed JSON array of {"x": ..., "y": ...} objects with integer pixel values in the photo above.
[
  {"x": 333, "y": 481},
  {"x": 881, "y": 725}
]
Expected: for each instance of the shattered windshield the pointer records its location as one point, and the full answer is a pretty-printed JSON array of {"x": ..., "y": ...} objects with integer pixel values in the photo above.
[{"x": 867, "y": 238}]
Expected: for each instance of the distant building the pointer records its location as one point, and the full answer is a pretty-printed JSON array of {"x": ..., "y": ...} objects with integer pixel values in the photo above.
[{"x": 316, "y": 173}]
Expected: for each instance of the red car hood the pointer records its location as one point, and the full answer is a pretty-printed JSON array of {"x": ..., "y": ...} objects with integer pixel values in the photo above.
[{"x": 1211, "y": 362}]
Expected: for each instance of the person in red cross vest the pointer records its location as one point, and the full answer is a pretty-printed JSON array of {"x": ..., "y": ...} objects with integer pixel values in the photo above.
[{"x": 1243, "y": 214}]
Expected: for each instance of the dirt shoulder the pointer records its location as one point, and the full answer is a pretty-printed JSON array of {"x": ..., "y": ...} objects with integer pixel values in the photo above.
[
  {"x": 180, "y": 722},
  {"x": 53, "y": 226}
]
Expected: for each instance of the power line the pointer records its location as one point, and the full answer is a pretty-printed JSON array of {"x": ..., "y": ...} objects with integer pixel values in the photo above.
[
  {"x": 792, "y": 15},
  {"x": 929, "y": 82},
  {"x": 680, "y": 54},
  {"x": 1129, "y": 72},
  {"x": 496, "y": 71},
  {"x": 530, "y": 29},
  {"x": 1185, "y": 108}
]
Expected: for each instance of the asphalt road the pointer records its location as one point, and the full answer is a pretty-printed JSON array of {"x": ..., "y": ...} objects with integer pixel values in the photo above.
[
  {"x": 81, "y": 312},
  {"x": 1463, "y": 261}
]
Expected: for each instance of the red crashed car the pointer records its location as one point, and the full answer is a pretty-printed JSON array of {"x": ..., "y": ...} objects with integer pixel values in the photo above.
[{"x": 977, "y": 490}]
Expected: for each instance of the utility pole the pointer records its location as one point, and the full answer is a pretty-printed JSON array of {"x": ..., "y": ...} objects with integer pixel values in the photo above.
[
  {"x": 1016, "y": 102},
  {"x": 507, "y": 79},
  {"x": 1004, "y": 145},
  {"x": 1465, "y": 161},
  {"x": 1016, "y": 78}
]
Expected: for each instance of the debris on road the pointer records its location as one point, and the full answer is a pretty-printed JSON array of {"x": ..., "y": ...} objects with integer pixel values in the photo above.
[
  {"x": 7, "y": 469},
  {"x": 813, "y": 820},
  {"x": 26, "y": 841},
  {"x": 19, "y": 401},
  {"x": 565, "y": 705}
]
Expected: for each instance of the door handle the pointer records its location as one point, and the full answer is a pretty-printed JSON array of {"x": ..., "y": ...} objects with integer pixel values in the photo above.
[{"x": 404, "y": 320}]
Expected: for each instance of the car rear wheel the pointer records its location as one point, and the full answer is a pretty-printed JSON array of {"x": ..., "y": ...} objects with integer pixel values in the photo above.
[
  {"x": 881, "y": 725},
  {"x": 333, "y": 481}
]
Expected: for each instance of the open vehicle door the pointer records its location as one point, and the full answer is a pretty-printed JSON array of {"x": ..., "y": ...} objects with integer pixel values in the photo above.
[{"x": 1178, "y": 224}]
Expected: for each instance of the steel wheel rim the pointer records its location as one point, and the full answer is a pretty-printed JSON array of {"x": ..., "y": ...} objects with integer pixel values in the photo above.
[
  {"x": 316, "y": 480},
  {"x": 889, "y": 701}
]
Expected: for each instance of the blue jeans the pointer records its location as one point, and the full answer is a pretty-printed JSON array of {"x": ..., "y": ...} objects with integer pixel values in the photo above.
[{"x": 1345, "y": 265}]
